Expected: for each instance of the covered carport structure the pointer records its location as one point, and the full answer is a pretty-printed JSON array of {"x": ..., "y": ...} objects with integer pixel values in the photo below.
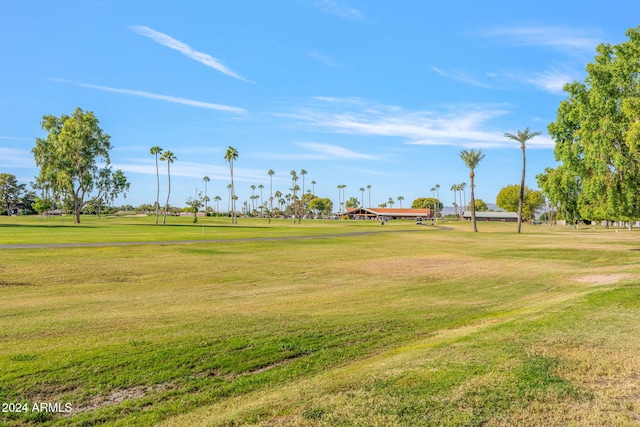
[{"x": 390, "y": 213}]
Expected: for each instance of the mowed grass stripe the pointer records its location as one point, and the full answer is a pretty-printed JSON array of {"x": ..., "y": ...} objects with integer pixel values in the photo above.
[{"x": 353, "y": 330}]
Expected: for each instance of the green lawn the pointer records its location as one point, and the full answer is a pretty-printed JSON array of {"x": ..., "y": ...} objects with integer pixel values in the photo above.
[{"x": 405, "y": 325}]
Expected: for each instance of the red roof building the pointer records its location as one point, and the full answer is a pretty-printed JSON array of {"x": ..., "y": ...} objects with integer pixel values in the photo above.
[{"x": 390, "y": 213}]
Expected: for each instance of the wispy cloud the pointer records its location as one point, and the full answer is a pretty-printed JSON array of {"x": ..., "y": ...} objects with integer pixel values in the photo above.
[
  {"x": 188, "y": 51},
  {"x": 462, "y": 77},
  {"x": 340, "y": 9},
  {"x": 16, "y": 158},
  {"x": 150, "y": 95},
  {"x": 556, "y": 37},
  {"x": 15, "y": 138},
  {"x": 552, "y": 80},
  {"x": 461, "y": 125},
  {"x": 330, "y": 151},
  {"x": 325, "y": 59},
  {"x": 192, "y": 170}
]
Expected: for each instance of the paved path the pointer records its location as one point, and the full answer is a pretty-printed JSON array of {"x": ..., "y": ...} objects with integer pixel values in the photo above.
[{"x": 191, "y": 242}]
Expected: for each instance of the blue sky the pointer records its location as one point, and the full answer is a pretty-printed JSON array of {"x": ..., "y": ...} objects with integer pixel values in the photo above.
[{"x": 356, "y": 92}]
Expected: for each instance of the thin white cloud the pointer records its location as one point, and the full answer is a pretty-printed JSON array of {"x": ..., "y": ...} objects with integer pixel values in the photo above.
[
  {"x": 325, "y": 59},
  {"x": 462, "y": 125},
  {"x": 461, "y": 76},
  {"x": 188, "y": 51},
  {"x": 150, "y": 95},
  {"x": 15, "y": 138},
  {"x": 330, "y": 151},
  {"x": 16, "y": 158},
  {"x": 552, "y": 80},
  {"x": 193, "y": 170},
  {"x": 555, "y": 37},
  {"x": 340, "y": 9}
]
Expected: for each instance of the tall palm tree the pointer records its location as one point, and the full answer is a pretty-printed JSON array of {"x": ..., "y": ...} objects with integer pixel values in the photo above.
[
  {"x": 390, "y": 201},
  {"x": 206, "y": 179},
  {"x": 261, "y": 187},
  {"x": 472, "y": 158},
  {"x": 253, "y": 189},
  {"x": 168, "y": 157},
  {"x": 229, "y": 201},
  {"x": 217, "y": 199},
  {"x": 369, "y": 188},
  {"x": 437, "y": 199},
  {"x": 279, "y": 198},
  {"x": 231, "y": 155},
  {"x": 156, "y": 150},
  {"x": 433, "y": 194},
  {"x": 522, "y": 138},
  {"x": 362, "y": 196},
  {"x": 302, "y": 174},
  {"x": 400, "y": 199},
  {"x": 271, "y": 172},
  {"x": 313, "y": 188},
  {"x": 462, "y": 187},
  {"x": 454, "y": 188}
]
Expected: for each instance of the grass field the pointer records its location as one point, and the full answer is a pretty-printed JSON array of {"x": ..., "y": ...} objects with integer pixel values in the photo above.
[{"x": 362, "y": 325}]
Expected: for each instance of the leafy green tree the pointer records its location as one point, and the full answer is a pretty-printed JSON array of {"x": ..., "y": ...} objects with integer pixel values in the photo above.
[
  {"x": 322, "y": 206},
  {"x": 194, "y": 204},
  {"x": 522, "y": 137},
  {"x": 42, "y": 205},
  {"x": 156, "y": 151},
  {"x": 168, "y": 157},
  {"x": 563, "y": 190},
  {"x": 481, "y": 206},
  {"x": 231, "y": 155},
  {"x": 509, "y": 199},
  {"x": 353, "y": 203},
  {"x": 427, "y": 202},
  {"x": 10, "y": 191},
  {"x": 70, "y": 158},
  {"x": 597, "y": 132},
  {"x": 472, "y": 158}
]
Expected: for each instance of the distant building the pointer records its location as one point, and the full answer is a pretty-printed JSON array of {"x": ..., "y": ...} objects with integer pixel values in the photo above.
[
  {"x": 492, "y": 216},
  {"x": 390, "y": 213}
]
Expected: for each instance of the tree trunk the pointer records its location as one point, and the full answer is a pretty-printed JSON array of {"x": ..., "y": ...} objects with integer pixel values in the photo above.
[
  {"x": 521, "y": 201},
  {"x": 473, "y": 205}
]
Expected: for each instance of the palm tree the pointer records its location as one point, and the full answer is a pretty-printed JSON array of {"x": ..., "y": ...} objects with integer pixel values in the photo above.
[
  {"x": 206, "y": 199},
  {"x": 462, "y": 187},
  {"x": 438, "y": 199},
  {"x": 400, "y": 199},
  {"x": 229, "y": 201},
  {"x": 433, "y": 193},
  {"x": 313, "y": 188},
  {"x": 390, "y": 201},
  {"x": 362, "y": 196},
  {"x": 522, "y": 138},
  {"x": 271, "y": 173},
  {"x": 454, "y": 188},
  {"x": 260, "y": 187},
  {"x": 231, "y": 155},
  {"x": 168, "y": 157},
  {"x": 253, "y": 189},
  {"x": 302, "y": 174},
  {"x": 156, "y": 151},
  {"x": 279, "y": 198},
  {"x": 369, "y": 188},
  {"x": 217, "y": 199},
  {"x": 472, "y": 158}
]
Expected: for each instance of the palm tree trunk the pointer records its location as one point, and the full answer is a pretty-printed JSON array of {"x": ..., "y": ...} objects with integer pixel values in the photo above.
[
  {"x": 158, "y": 187},
  {"x": 521, "y": 201},
  {"x": 473, "y": 205},
  {"x": 166, "y": 206}
]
